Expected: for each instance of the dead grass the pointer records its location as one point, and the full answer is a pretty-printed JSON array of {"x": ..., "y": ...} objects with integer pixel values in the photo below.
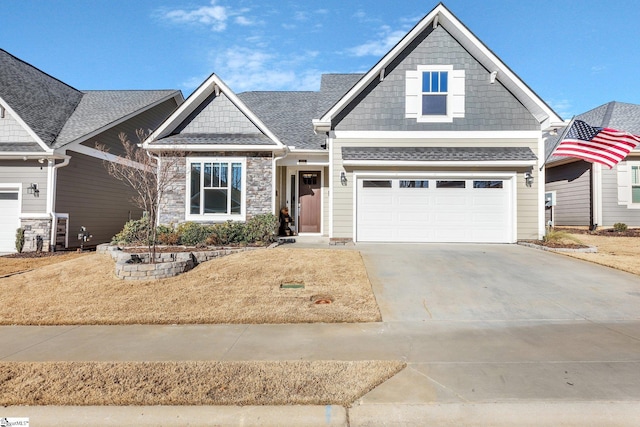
[
  {"x": 9, "y": 265},
  {"x": 191, "y": 383},
  {"x": 240, "y": 288},
  {"x": 617, "y": 252}
]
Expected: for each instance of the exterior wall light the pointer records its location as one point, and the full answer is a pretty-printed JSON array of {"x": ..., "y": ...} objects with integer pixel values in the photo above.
[
  {"x": 33, "y": 189},
  {"x": 528, "y": 179},
  {"x": 343, "y": 178}
]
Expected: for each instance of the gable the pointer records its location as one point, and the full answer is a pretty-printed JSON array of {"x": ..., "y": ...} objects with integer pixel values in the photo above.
[
  {"x": 11, "y": 131},
  {"x": 217, "y": 114},
  {"x": 42, "y": 102},
  {"x": 487, "y": 106}
]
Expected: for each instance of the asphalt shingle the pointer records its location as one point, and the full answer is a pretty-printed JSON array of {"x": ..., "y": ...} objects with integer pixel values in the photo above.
[
  {"x": 476, "y": 154},
  {"x": 215, "y": 139}
]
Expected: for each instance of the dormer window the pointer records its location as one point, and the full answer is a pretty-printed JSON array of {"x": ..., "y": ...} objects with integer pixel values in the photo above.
[{"x": 434, "y": 93}]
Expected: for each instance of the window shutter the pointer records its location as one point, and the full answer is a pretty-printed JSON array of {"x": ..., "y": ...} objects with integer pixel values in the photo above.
[
  {"x": 457, "y": 91},
  {"x": 412, "y": 94},
  {"x": 624, "y": 183}
]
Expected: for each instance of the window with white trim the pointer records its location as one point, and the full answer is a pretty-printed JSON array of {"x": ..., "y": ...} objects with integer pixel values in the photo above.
[
  {"x": 635, "y": 183},
  {"x": 434, "y": 93},
  {"x": 216, "y": 188}
]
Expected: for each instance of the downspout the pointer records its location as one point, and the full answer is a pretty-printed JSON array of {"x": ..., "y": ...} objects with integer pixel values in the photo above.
[
  {"x": 274, "y": 181},
  {"x": 51, "y": 194}
]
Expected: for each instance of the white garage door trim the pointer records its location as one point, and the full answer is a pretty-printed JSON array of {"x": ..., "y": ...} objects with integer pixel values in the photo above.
[
  {"x": 9, "y": 215},
  {"x": 505, "y": 234}
]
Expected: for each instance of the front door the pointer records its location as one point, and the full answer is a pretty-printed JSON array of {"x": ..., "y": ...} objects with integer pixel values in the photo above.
[{"x": 309, "y": 199}]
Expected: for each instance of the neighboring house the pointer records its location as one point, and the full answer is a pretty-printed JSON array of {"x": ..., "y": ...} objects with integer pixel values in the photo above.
[
  {"x": 52, "y": 178},
  {"x": 589, "y": 194},
  {"x": 438, "y": 142}
]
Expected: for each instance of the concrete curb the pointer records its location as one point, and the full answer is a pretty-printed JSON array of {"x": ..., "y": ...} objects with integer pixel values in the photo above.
[
  {"x": 590, "y": 249},
  {"x": 142, "y": 416}
]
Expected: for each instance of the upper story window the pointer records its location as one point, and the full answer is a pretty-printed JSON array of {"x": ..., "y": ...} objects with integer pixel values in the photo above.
[
  {"x": 434, "y": 93},
  {"x": 216, "y": 188},
  {"x": 435, "y": 88}
]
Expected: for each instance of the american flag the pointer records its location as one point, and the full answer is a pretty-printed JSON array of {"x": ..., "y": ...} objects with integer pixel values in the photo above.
[{"x": 596, "y": 144}]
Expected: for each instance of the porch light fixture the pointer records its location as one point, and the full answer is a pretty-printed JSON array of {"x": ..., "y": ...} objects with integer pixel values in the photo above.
[
  {"x": 528, "y": 179},
  {"x": 33, "y": 189},
  {"x": 343, "y": 178}
]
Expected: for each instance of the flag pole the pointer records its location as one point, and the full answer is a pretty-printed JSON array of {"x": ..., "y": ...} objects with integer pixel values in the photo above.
[{"x": 564, "y": 133}]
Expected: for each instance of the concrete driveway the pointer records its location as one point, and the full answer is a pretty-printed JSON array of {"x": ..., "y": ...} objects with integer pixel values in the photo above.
[{"x": 458, "y": 282}]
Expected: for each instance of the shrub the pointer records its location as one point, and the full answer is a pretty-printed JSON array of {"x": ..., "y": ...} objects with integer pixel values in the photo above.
[
  {"x": 227, "y": 233},
  {"x": 20, "y": 239},
  {"x": 192, "y": 233},
  {"x": 166, "y": 235},
  {"x": 134, "y": 231},
  {"x": 620, "y": 226},
  {"x": 261, "y": 228}
]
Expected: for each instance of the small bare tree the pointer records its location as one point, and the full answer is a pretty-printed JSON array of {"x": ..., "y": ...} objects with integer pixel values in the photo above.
[{"x": 148, "y": 175}]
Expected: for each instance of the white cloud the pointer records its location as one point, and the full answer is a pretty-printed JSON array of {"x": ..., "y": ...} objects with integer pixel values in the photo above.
[
  {"x": 598, "y": 69},
  {"x": 246, "y": 69},
  {"x": 388, "y": 39},
  {"x": 214, "y": 15}
]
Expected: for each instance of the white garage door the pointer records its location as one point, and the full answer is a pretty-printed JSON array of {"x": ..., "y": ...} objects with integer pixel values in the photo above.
[
  {"x": 9, "y": 219},
  {"x": 434, "y": 210}
]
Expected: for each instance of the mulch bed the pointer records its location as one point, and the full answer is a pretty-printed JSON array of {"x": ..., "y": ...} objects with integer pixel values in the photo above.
[
  {"x": 557, "y": 245},
  {"x": 38, "y": 254},
  {"x": 607, "y": 232}
]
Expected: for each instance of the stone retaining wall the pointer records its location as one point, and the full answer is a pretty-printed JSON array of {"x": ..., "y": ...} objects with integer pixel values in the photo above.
[{"x": 135, "y": 266}]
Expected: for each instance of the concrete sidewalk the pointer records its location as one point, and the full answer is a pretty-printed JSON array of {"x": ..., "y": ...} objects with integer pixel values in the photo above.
[{"x": 485, "y": 340}]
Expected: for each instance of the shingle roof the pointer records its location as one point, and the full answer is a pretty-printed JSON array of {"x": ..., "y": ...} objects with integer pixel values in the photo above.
[
  {"x": 99, "y": 108},
  {"x": 215, "y": 139},
  {"x": 21, "y": 147},
  {"x": 43, "y": 102},
  {"x": 615, "y": 115},
  {"x": 400, "y": 154},
  {"x": 289, "y": 115}
]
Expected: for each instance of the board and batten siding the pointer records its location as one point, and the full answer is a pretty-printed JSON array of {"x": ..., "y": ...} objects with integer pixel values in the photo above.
[
  {"x": 27, "y": 172},
  {"x": 343, "y": 196},
  {"x": 572, "y": 184},
  {"x": 93, "y": 199}
]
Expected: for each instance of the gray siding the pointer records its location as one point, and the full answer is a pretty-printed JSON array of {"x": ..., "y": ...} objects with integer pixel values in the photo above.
[
  {"x": 612, "y": 212},
  {"x": 218, "y": 114},
  {"x": 26, "y": 173},
  {"x": 12, "y": 131},
  {"x": 488, "y": 107},
  {"x": 148, "y": 120},
  {"x": 572, "y": 184},
  {"x": 93, "y": 199}
]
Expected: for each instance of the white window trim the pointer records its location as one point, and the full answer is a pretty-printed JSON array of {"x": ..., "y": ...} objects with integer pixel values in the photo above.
[
  {"x": 455, "y": 94},
  {"x": 631, "y": 204},
  {"x": 215, "y": 217},
  {"x": 432, "y": 118}
]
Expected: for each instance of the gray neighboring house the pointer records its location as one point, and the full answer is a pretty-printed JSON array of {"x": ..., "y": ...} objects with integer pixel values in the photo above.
[
  {"x": 52, "y": 178},
  {"x": 439, "y": 142},
  {"x": 587, "y": 194}
]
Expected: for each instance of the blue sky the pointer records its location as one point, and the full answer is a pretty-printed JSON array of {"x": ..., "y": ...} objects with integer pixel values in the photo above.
[{"x": 576, "y": 54}]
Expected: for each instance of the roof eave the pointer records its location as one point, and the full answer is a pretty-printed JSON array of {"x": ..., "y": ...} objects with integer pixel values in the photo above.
[{"x": 440, "y": 163}]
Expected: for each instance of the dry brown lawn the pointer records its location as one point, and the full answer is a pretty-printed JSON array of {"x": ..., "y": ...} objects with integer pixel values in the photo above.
[
  {"x": 191, "y": 383},
  {"x": 10, "y": 266},
  {"x": 239, "y": 288},
  {"x": 622, "y": 253}
]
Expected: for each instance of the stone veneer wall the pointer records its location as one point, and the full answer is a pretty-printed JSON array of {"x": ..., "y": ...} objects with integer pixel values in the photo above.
[
  {"x": 34, "y": 227},
  {"x": 259, "y": 180}
]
